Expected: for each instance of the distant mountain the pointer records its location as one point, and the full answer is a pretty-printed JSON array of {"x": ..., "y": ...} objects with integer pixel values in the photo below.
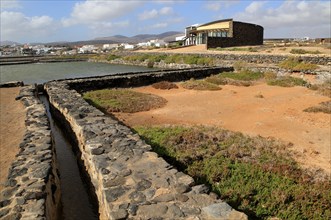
[
  {"x": 167, "y": 36},
  {"x": 7, "y": 42},
  {"x": 116, "y": 39}
]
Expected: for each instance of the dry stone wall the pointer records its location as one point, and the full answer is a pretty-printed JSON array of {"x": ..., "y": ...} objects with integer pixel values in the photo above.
[
  {"x": 32, "y": 189},
  {"x": 249, "y": 58},
  {"x": 131, "y": 181}
]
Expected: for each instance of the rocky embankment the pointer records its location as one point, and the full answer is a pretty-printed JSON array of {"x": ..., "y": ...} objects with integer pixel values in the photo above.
[
  {"x": 131, "y": 181},
  {"x": 255, "y": 62},
  {"x": 32, "y": 189}
]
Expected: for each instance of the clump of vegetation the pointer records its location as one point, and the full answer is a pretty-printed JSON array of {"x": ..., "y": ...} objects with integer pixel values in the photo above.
[
  {"x": 173, "y": 58},
  {"x": 123, "y": 100},
  {"x": 294, "y": 64},
  {"x": 323, "y": 89},
  {"x": 113, "y": 57},
  {"x": 270, "y": 75},
  {"x": 251, "y": 49},
  {"x": 324, "y": 107},
  {"x": 150, "y": 64},
  {"x": 259, "y": 96},
  {"x": 240, "y": 65},
  {"x": 287, "y": 81},
  {"x": 200, "y": 85},
  {"x": 189, "y": 59},
  {"x": 242, "y": 78},
  {"x": 245, "y": 75},
  {"x": 254, "y": 174},
  {"x": 165, "y": 85},
  {"x": 302, "y": 51}
]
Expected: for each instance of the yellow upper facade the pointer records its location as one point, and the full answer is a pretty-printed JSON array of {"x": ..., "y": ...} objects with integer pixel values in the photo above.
[{"x": 215, "y": 26}]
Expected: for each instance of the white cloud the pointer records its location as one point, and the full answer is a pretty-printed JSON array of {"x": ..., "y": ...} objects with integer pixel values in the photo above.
[
  {"x": 146, "y": 15},
  {"x": 300, "y": 18},
  {"x": 94, "y": 11},
  {"x": 16, "y": 26},
  {"x": 166, "y": 11},
  {"x": 159, "y": 25},
  {"x": 254, "y": 7},
  {"x": 5, "y": 4},
  {"x": 213, "y": 6},
  {"x": 218, "y": 5}
]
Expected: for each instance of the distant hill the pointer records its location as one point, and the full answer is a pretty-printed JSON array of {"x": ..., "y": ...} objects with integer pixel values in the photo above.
[
  {"x": 7, "y": 42},
  {"x": 167, "y": 36},
  {"x": 116, "y": 39}
]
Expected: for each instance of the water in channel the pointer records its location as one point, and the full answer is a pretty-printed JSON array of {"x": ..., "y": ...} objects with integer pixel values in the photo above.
[
  {"x": 76, "y": 203},
  {"x": 44, "y": 72}
]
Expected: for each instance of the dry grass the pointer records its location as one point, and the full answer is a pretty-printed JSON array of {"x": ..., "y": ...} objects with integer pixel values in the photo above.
[
  {"x": 324, "y": 107},
  {"x": 123, "y": 100},
  {"x": 165, "y": 85},
  {"x": 200, "y": 85},
  {"x": 323, "y": 89}
]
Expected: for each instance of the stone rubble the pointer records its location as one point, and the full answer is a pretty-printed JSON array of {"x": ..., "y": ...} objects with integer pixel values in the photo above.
[
  {"x": 32, "y": 187},
  {"x": 130, "y": 181}
]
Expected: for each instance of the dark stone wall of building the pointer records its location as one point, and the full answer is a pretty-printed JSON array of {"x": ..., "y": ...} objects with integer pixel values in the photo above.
[{"x": 244, "y": 34}]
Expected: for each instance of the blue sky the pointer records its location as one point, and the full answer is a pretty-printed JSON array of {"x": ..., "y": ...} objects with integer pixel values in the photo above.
[{"x": 26, "y": 21}]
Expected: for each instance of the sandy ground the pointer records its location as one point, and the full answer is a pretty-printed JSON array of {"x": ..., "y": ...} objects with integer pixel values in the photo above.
[
  {"x": 12, "y": 116},
  {"x": 283, "y": 50},
  {"x": 278, "y": 114}
]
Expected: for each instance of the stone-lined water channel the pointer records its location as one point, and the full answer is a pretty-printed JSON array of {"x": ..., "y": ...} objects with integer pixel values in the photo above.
[
  {"x": 76, "y": 203},
  {"x": 75, "y": 198}
]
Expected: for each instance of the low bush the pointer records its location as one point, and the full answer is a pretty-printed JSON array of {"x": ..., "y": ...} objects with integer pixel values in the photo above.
[
  {"x": 239, "y": 66},
  {"x": 245, "y": 75},
  {"x": 287, "y": 81},
  {"x": 123, "y": 100},
  {"x": 242, "y": 78},
  {"x": 113, "y": 57},
  {"x": 323, "y": 89},
  {"x": 294, "y": 64},
  {"x": 302, "y": 51},
  {"x": 200, "y": 85},
  {"x": 150, "y": 64},
  {"x": 253, "y": 174},
  {"x": 270, "y": 75},
  {"x": 164, "y": 85},
  {"x": 324, "y": 107},
  {"x": 174, "y": 58}
]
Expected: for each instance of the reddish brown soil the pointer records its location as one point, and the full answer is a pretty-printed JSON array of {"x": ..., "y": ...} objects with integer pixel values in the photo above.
[
  {"x": 12, "y": 116},
  {"x": 279, "y": 113}
]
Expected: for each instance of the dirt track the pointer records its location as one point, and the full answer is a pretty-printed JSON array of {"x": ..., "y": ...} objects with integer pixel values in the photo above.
[
  {"x": 12, "y": 116},
  {"x": 278, "y": 114}
]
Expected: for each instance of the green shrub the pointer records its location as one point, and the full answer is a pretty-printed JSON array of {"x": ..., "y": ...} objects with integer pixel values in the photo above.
[
  {"x": 123, "y": 100},
  {"x": 245, "y": 75},
  {"x": 240, "y": 65},
  {"x": 113, "y": 57},
  {"x": 253, "y": 174},
  {"x": 157, "y": 58},
  {"x": 303, "y": 67},
  {"x": 294, "y": 64},
  {"x": 287, "y": 81},
  {"x": 174, "y": 58}
]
